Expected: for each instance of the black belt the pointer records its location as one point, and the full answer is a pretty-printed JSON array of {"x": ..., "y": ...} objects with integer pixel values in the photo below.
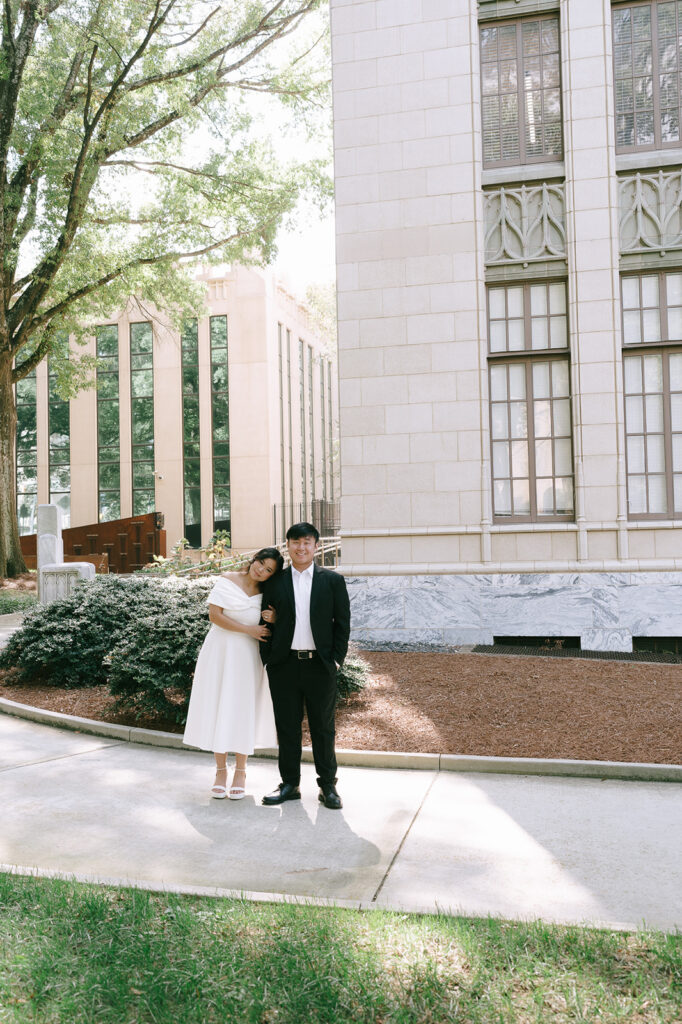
[{"x": 304, "y": 655}]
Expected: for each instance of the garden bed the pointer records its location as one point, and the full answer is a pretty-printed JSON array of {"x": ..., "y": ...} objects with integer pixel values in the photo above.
[{"x": 474, "y": 704}]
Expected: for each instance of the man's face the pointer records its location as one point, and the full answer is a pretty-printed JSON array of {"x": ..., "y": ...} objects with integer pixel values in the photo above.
[{"x": 301, "y": 551}]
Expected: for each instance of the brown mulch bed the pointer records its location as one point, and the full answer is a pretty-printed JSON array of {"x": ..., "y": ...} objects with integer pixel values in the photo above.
[{"x": 476, "y": 704}]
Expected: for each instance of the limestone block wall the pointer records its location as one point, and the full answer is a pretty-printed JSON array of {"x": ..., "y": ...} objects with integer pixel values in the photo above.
[{"x": 412, "y": 275}]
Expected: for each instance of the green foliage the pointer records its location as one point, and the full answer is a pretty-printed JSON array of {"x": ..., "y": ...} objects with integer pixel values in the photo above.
[
  {"x": 16, "y": 601},
  {"x": 78, "y": 954},
  {"x": 69, "y": 642},
  {"x": 152, "y": 664},
  {"x": 353, "y": 676}
]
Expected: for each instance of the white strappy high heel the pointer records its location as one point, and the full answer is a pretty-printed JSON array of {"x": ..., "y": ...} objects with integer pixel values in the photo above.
[
  {"x": 237, "y": 792},
  {"x": 219, "y": 792}
]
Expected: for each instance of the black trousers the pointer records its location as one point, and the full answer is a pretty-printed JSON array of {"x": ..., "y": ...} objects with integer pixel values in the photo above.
[{"x": 294, "y": 685}]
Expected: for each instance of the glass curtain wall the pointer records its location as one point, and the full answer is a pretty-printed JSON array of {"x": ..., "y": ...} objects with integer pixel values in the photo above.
[
  {"x": 108, "y": 431},
  {"x": 27, "y": 453},
  {"x": 323, "y": 432},
  {"x": 330, "y": 429},
  {"x": 60, "y": 443},
  {"x": 221, "y": 424},
  {"x": 301, "y": 378},
  {"x": 311, "y": 424},
  {"x": 142, "y": 416},
  {"x": 190, "y": 433}
]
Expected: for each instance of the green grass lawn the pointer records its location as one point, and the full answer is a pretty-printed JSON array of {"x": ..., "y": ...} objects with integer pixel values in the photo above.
[
  {"x": 74, "y": 953},
  {"x": 16, "y": 601}
]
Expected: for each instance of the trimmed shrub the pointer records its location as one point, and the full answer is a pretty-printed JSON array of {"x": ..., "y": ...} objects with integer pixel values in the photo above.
[
  {"x": 152, "y": 664},
  {"x": 68, "y": 642},
  {"x": 353, "y": 676}
]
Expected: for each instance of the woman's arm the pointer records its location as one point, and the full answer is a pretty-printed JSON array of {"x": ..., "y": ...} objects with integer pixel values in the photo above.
[{"x": 219, "y": 618}]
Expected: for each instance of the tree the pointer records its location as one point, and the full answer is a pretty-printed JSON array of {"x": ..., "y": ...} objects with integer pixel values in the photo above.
[{"x": 125, "y": 150}]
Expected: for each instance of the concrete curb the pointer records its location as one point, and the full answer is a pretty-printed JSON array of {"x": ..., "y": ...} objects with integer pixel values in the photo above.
[{"x": 638, "y": 772}]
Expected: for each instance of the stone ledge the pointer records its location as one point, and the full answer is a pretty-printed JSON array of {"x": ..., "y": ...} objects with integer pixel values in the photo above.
[{"x": 391, "y": 759}]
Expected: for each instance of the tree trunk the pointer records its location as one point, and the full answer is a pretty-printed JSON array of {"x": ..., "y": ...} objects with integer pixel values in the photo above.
[{"x": 11, "y": 559}]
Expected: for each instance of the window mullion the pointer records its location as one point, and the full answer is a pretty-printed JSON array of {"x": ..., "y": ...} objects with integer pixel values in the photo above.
[
  {"x": 667, "y": 436},
  {"x": 655, "y": 77},
  {"x": 521, "y": 119},
  {"x": 532, "y": 477}
]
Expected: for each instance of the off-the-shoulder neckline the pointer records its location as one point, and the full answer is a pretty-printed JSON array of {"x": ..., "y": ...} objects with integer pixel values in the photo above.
[{"x": 250, "y": 597}]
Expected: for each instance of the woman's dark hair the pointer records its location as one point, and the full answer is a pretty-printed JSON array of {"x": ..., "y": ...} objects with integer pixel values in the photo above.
[
  {"x": 299, "y": 530},
  {"x": 274, "y": 554}
]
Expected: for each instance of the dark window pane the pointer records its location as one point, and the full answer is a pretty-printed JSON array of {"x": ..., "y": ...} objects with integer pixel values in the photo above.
[
  {"x": 109, "y": 476},
  {"x": 143, "y": 420},
  {"x": 107, "y": 424},
  {"x": 143, "y": 474},
  {"x": 107, "y": 385},
  {"x": 190, "y": 413},
  {"x": 221, "y": 472},
  {"x": 192, "y": 472},
  {"x": 141, "y": 337},
  {"x": 143, "y": 502},
  {"x": 218, "y": 328},
  {"x": 109, "y": 507},
  {"x": 142, "y": 383},
  {"x": 190, "y": 380},
  {"x": 107, "y": 341}
]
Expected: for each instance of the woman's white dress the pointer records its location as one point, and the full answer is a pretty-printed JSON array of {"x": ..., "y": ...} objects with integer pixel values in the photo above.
[{"x": 230, "y": 707}]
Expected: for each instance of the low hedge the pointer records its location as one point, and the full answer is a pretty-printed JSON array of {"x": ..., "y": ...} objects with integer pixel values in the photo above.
[{"x": 140, "y": 635}]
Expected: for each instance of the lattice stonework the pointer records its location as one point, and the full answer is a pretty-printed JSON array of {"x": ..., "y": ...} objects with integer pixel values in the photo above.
[
  {"x": 651, "y": 211},
  {"x": 526, "y": 224}
]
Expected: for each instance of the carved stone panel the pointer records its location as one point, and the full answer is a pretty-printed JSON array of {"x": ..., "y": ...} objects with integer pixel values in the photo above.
[
  {"x": 651, "y": 211},
  {"x": 526, "y": 224}
]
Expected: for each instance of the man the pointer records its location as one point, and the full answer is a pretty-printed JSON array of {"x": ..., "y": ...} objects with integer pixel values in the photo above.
[{"x": 308, "y": 643}]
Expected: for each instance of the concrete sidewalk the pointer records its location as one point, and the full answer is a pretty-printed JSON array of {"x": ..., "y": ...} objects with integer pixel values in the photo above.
[{"x": 570, "y": 850}]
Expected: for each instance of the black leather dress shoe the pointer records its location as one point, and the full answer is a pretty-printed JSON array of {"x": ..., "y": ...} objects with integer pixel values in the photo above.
[
  {"x": 285, "y": 791},
  {"x": 330, "y": 798}
]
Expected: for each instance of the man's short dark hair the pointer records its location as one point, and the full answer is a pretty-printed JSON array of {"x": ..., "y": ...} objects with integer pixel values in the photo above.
[{"x": 299, "y": 530}]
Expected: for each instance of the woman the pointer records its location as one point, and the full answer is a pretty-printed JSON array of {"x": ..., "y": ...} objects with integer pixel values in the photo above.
[{"x": 230, "y": 707}]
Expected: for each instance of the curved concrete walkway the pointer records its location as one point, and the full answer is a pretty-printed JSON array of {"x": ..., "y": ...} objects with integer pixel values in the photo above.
[{"x": 574, "y": 850}]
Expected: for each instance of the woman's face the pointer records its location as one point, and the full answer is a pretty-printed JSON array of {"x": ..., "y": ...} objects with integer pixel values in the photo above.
[{"x": 262, "y": 571}]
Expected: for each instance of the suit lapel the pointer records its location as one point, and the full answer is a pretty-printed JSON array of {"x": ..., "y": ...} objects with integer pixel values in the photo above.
[{"x": 288, "y": 582}]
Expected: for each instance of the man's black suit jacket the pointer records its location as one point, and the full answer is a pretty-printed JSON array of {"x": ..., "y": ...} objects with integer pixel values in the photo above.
[{"x": 329, "y": 617}]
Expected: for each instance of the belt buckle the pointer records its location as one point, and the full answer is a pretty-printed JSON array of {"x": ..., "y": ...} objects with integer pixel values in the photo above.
[{"x": 304, "y": 655}]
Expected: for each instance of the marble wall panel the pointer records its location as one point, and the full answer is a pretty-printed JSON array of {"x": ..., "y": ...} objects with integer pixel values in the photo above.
[
  {"x": 378, "y": 602},
  {"x": 652, "y": 604},
  {"x": 534, "y": 604},
  {"x": 447, "y": 601},
  {"x": 604, "y": 609},
  {"x": 606, "y": 640}
]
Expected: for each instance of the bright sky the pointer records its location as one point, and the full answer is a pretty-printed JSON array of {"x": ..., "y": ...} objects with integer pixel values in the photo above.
[{"x": 306, "y": 256}]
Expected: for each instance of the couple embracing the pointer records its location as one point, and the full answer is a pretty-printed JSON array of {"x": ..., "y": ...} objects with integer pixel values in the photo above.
[{"x": 296, "y": 623}]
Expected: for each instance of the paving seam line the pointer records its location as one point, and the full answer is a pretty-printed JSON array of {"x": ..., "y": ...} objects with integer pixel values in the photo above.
[
  {"x": 402, "y": 841},
  {"x": 58, "y": 757},
  {"x": 561, "y": 767}
]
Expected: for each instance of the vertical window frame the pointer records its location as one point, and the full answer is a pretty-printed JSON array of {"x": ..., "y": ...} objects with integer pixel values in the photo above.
[
  {"x": 528, "y": 357},
  {"x": 220, "y": 448},
  {"x": 114, "y": 362},
  {"x": 523, "y": 160},
  {"x": 191, "y": 449},
  {"x": 656, "y": 72},
  {"x": 141, "y": 361}
]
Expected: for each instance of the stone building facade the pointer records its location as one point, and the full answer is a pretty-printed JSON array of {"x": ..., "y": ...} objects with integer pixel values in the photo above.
[
  {"x": 509, "y": 248},
  {"x": 230, "y": 425}
]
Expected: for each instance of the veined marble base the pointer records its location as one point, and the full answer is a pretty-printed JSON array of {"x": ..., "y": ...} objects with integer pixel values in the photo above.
[{"x": 604, "y": 609}]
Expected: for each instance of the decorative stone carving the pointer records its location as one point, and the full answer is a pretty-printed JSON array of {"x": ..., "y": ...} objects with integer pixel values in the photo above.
[
  {"x": 651, "y": 211},
  {"x": 57, "y": 581},
  {"x": 525, "y": 224},
  {"x": 56, "y": 578}
]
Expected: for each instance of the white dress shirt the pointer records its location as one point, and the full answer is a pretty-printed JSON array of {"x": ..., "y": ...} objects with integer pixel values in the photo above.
[{"x": 303, "y": 634}]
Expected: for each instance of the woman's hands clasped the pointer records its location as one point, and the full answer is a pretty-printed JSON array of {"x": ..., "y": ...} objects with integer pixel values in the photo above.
[
  {"x": 259, "y": 632},
  {"x": 270, "y": 615}
]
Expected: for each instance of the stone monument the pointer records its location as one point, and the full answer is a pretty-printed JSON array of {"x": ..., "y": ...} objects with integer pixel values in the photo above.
[{"x": 56, "y": 578}]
